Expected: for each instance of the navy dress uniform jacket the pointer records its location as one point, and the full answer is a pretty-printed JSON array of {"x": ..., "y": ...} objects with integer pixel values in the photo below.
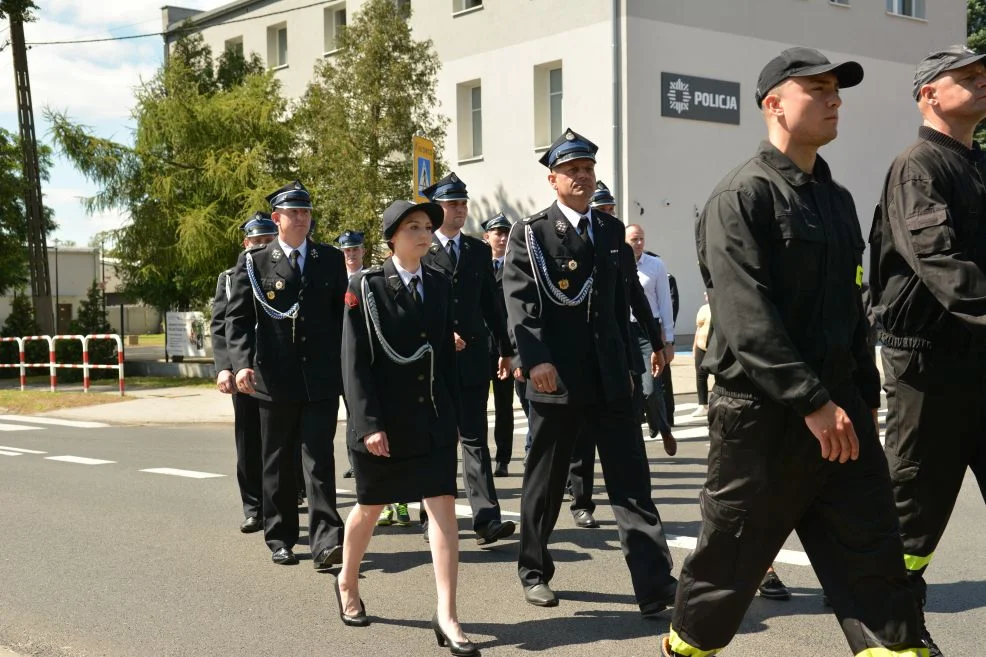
[
  {"x": 588, "y": 344},
  {"x": 305, "y": 366},
  {"x": 474, "y": 305},
  {"x": 415, "y": 403},
  {"x": 217, "y": 326}
]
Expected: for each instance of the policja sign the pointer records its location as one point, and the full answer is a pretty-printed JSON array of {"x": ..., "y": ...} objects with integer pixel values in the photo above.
[
  {"x": 424, "y": 166},
  {"x": 699, "y": 99}
]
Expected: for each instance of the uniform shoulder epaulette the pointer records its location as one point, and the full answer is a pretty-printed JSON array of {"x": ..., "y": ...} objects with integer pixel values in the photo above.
[
  {"x": 534, "y": 217},
  {"x": 228, "y": 272},
  {"x": 375, "y": 269},
  {"x": 256, "y": 247}
]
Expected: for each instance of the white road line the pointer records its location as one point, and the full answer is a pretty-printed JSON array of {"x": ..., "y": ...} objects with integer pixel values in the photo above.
[
  {"x": 5, "y": 453},
  {"x": 31, "y": 419},
  {"x": 21, "y": 449},
  {"x": 16, "y": 427},
  {"x": 81, "y": 460},
  {"x": 694, "y": 432},
  {"x": 191, "y": 474}
]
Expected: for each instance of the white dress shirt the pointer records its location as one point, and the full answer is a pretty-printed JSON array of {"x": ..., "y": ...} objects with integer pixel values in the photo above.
[
  {"x": 444, "y": 239},
  {"x": 406, "y": 279},
  {"x": 302, "y": 252},
  {"x": 574, "y": 218},
  {"x": 653, "y": 277}
]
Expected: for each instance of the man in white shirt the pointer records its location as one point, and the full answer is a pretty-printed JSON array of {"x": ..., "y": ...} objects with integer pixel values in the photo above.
[{"x": 653, "y": 277}]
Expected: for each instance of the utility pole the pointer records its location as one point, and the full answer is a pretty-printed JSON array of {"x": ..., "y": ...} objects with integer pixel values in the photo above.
[{"x": 37, "y": 247}]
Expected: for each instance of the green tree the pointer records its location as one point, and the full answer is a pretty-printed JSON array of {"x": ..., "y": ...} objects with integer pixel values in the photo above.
[
  {"x": 210, "y": 141},
  {"x": 90, "y": 319},
  {"x": 22, "y": 8},
  {"x": 976, "y": 32},
  {"x": 20, "y": 323},
  {"x": 357, "y": 118},
  {"x": 13, "y": 214}
]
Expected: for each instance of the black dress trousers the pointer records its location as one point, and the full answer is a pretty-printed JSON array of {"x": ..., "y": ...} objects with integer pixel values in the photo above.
[{"x": 249, "y": 457}]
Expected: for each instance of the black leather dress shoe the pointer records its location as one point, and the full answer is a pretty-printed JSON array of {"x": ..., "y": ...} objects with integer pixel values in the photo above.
[
  {"x": 327, "y": 558},
  {"x": 284, "y": 557},
  {"x": 251, "y": 524},
  {"x": 494, "y": 531},
  {"x": 584, "y": 519},
  {"x": 348, "y": 474},
  {"x": 501, "y": 470},
  {"x": 540, "y": 595}
]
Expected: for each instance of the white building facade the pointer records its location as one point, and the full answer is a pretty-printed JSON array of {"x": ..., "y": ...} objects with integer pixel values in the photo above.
[{"x": 664, "y": 87}]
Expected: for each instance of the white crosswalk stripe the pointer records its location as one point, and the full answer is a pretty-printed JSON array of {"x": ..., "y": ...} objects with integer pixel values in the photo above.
[
  {"x": 81, "y": 460},
  {"x": 57, "y": 422},
  {"x": 6, "y": 453},
  {"x": 21, "y": 450},
  {"x": 191, "y": 474},
  {"x": 16, "y": 427}
]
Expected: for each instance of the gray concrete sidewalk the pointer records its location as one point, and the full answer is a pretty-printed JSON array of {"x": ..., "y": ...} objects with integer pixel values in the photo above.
[{"x": 197, "y": 405}]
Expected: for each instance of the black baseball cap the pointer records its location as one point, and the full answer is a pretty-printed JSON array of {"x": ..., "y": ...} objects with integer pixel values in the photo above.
[
  {"x": 942, "y": 61},
  {"x": 801, "y": 63}
]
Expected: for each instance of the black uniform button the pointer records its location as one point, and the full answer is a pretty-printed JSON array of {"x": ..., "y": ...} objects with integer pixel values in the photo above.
[
  {"x": 455, "y": 279},
  {"x": 301, "y": 319},
  {"x": 455, "y": 300},
  {"x": 305, "y": 358},
  {"x": 421, "y": 377},
  {"x": 596, "y": 334},
  {"x": 421, "y": 400},
  {"x": 423, "y": 334},
  {"x": 303, "y": 338}
]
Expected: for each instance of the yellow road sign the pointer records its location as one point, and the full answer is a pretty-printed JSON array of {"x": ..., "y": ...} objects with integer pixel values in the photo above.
[{"x": 424, "y": 166}]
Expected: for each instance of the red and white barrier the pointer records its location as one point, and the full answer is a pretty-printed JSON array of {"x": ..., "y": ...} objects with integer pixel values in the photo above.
[{"x": 52, "y": 366}]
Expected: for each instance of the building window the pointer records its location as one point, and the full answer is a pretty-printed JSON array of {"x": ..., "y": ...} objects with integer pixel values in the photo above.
[
  {"x": 470, "y": 120},
  {"x": 234, "y": 46},
  {"x": 277, "y": 46},
  {"x": 548, "y": 95},
  {"x": 912, "y": 8},
  {"x": 335, "y": 24},
  {"x": 465, "y": 5}
]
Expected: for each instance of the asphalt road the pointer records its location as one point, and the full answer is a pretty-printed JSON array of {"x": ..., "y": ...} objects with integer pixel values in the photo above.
[{"x": 105, "y": 559}]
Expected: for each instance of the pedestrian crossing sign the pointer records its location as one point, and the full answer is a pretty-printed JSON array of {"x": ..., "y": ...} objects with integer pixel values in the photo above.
[{"x": 424, "y": 166}]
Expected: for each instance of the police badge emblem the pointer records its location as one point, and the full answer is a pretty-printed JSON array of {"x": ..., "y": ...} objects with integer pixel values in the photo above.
[
  {"x": 572, "y": 265},
  {"x": 279, "y": 285},
  {"x": 563, "y": 284},
  {"x": 270, "y": 295}
]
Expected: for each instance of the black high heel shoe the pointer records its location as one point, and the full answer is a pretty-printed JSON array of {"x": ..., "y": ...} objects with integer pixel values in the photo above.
[
  {"x": 465, "y": 649},
  {"x": 356, "y": 620}
]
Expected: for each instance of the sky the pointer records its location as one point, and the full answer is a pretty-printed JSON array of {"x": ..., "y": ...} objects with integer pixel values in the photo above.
[{"x": 92, "y": 83}]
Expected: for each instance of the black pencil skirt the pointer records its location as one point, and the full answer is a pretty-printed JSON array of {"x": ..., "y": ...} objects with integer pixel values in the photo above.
[{"x": 383, "y": 480}]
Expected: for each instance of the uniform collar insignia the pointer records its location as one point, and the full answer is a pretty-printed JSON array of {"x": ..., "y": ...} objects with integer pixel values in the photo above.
[
  {"x": 561, "y": 226},
  {"x": 276, "y": 255},
  {"x": 314, "y": 252},
  {"x": 434, "y": 248}
]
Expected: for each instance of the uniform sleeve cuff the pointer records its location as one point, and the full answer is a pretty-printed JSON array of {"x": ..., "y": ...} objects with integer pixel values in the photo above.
[{"x": 813, "y": 401}]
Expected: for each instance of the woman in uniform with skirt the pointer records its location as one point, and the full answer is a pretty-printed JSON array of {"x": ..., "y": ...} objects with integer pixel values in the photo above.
[{"x": 398, "y": 363}]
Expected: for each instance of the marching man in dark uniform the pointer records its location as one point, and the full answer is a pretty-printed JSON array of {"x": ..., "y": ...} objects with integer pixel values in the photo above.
[
  {"x": 284, "y": 330},
  {"x": 259, "y": 230},
  {"x": 565, "y": 286},
  {"x": 468, "y": 263},
  {"x": 496, "y": 233},
  {"x": 351, "y": 245},
  {"x": 400, "y": 377},
  {"x": 792, "y": 425},
  {"x": 928, "y": 278}
]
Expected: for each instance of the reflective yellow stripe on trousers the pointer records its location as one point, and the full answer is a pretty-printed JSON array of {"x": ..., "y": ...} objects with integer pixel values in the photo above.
[
  {"x": 913, "y": 562},
  {"x": 680, "y": 647},
  {"x": 884, "y": 652}
]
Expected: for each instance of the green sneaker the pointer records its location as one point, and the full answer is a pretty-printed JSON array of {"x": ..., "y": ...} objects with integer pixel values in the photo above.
[
  {"x": 403, "y": 517},
  {"x": 386, "y": 517}
]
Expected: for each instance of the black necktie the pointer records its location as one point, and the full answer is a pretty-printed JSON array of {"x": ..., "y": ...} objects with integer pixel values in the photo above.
[
  {"x": 412, "y": 286},
  {"x": 293, "y": 258},
  {"x": 496, "y": 266},
  {"x": 583, "y": 229},
  {"x": 451, "y": 253}
]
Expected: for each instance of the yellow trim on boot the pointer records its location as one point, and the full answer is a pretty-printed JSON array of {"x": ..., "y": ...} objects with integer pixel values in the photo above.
[
  {"x": 884, "y": 652},
  {"x": 913, "y": 562},
  {"x": 680, "y": 647}
]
